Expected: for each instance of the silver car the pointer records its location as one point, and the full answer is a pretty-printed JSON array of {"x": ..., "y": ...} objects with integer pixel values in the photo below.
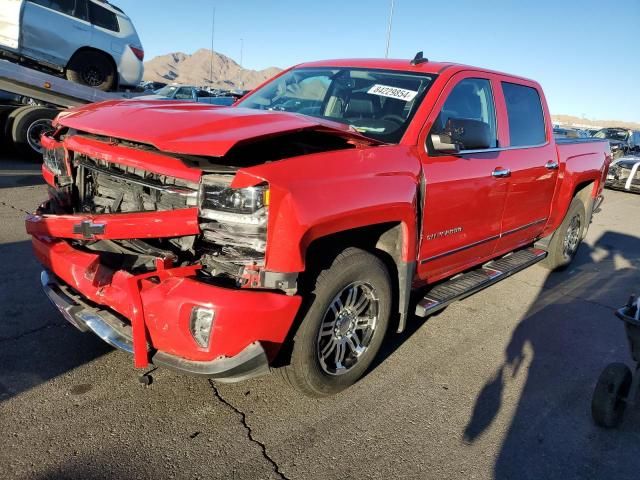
[{"x": 91, "y": 41}]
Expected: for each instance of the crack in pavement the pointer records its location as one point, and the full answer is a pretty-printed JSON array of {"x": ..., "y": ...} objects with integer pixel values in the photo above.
[
  {"x": 31, "y": 332},
  {"x": 12, "y": 207},
  {"x": 243, "y": 419}
]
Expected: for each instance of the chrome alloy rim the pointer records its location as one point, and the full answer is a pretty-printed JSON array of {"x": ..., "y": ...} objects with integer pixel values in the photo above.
[
  {"x": 572, "y": 237},
  {"x": 347, "y": 328},
  {"x": 35, "y": 131}
]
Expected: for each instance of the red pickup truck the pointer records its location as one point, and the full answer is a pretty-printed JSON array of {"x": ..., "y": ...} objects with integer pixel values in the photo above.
[{"x": 291, "y": 229}]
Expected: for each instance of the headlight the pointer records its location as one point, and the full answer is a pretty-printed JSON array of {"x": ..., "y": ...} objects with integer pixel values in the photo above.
[
  {"x": 53, "y": 158},
  {"x": 221, "y": 197},
  {"x": 237, "y": 216}
]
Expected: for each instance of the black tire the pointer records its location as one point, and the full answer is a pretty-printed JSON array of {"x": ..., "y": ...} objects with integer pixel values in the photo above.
[
  {"x": 567, "y": 238},
  {"x": 352, "y": 269},
  {"x": 93, "y": 69},
  {"x": 27, "y": 126},
  {"x": 5, "y": 112},
  {"x": 609, "y": 397}
]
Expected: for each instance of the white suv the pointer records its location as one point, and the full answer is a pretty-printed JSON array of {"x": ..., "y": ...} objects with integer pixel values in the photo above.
[{"x": 91, "y": 41}]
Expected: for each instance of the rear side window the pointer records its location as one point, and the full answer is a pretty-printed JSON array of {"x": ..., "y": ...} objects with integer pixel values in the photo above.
[
  {"x": 526, "y": 120},
  {"x": 62, "y": 6},
  {"x": 101, "y": 17}
]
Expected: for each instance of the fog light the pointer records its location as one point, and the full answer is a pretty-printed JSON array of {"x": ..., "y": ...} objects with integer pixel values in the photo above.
[{"x": 200, "y": 324}]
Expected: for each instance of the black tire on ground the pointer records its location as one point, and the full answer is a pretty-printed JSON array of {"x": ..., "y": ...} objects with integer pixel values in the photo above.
[
  {"x": 26, "y": 128},
  {"x": 609, "y": 397},
  {"x": 8, "y": 123},
  {"x": 567, "y": 238},
  {"x": 5, "y": 111},
  {"x": 354, "y": 276},
  {"x": 93, "y": 69}
]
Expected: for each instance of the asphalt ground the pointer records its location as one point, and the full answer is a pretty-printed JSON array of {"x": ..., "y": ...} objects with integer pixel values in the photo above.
[{"x": 496, "y": 386}]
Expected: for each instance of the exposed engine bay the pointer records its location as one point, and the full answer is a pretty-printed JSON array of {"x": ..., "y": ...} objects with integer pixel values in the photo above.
[{"x": 233, "y": 222}]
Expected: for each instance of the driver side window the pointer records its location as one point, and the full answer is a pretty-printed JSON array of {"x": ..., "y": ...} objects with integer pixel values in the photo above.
[{"x": 470, "y": 105}]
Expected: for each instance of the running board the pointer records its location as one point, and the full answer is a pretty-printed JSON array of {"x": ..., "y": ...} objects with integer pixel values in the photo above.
[{"x": 465, "y": 284}]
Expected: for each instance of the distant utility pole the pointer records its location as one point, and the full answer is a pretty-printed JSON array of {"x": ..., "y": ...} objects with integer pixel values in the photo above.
[
  {"x": 213, "y": 27},
  {"x": 241, "y": 52},
  {"x": 386, "y": 52}
]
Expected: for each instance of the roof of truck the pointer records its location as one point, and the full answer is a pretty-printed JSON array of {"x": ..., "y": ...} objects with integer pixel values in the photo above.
[{"x": 404, "y": 65}]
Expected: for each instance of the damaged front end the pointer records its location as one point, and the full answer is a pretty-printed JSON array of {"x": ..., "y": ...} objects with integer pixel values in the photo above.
[
  {"x": 624, "y": 174},
  {"x": 229, "y": 242}
]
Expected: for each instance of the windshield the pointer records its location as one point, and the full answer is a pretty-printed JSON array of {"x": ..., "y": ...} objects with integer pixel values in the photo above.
[
  {"x": 612, "y": 134},
  {"x": 377, "y": 103},
  {"x": 166, "y": 91}
]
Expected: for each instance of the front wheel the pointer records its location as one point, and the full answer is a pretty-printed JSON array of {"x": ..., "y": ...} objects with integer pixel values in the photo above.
[
  {"x": 566, "y": 239},
  {"x": 344, "y": 325}
]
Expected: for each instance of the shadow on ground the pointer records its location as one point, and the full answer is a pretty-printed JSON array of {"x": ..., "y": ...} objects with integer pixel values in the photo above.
[
  {"x": 570, "y": 334},
  {"x": 36, "y": 343}
]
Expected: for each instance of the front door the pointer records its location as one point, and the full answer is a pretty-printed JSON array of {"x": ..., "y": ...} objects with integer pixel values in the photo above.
[{"x": 464, "y": 192}]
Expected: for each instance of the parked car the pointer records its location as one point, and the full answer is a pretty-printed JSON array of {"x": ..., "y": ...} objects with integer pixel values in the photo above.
[
  {"x": 188, "y": 93},
  {"x": 150, "y": 86},
  {"x": 290, "y": 229},
  {"x": 91, "y": 42},
  {"x": 624, "y": 174},
  {"x": 567, "y": 132},
  {"x": 622, "y": 140}
]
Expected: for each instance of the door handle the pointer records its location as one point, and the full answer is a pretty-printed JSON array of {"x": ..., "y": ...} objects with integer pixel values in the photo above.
[
  {"x": 551, "y": 165},
  {"x": 501, "y": 173}
]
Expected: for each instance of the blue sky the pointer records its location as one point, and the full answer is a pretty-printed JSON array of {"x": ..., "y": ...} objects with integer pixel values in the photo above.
[{"x": 586, "y": 54}]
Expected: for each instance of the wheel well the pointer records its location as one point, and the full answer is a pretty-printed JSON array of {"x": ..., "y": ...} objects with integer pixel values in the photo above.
[
  {"x": 102, "y": 52},
  {"x": 383, "y": 240},
  {"x": 583, "y": 191}
]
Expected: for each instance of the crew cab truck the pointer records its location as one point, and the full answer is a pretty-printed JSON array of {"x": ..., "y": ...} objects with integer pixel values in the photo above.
[{"x": 289, "y": 230}]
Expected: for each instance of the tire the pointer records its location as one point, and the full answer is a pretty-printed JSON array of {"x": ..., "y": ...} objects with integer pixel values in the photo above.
[
  {"x": 567, "y": 237},
  {"x": 354, "y": 276},
  {"x": 5, "y": 112},
  {"x": 609, "y": 397},
  {"x": 27, "y": 126},
  {"x": 93, "y": 69}
]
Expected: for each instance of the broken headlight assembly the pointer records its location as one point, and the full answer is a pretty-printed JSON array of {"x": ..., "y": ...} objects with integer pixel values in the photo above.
[
  {"x": 235, "y": 217},
  {"x": 53, "y": 158}
]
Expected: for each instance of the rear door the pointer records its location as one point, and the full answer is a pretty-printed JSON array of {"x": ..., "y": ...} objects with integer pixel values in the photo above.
[
  {"x": 52, "y": 30},
  {"x": 463, "y": 199},
  {"x": 531, "y": 159}
]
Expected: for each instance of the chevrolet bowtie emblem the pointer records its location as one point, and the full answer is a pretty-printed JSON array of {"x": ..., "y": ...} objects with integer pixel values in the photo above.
[{"x": 88, "y": 229}]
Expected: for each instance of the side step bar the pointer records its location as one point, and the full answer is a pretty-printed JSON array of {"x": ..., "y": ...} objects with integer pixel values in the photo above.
[{"x": 466, "y": 284}]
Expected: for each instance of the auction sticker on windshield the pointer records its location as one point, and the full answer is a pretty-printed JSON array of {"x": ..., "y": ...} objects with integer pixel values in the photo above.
[{"x": 392, "y": 92}]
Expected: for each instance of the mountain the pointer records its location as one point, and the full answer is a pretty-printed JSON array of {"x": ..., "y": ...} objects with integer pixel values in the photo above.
[
  {"x": 584, "y": 122},
  {"x": 195, "y": 69}
]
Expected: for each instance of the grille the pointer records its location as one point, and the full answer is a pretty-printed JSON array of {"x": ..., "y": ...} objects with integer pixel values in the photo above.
[{"x": 105, "y": 187}]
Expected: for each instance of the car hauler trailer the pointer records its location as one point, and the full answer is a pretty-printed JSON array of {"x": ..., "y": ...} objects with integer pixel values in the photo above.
[{"x": 47, "y": 96}]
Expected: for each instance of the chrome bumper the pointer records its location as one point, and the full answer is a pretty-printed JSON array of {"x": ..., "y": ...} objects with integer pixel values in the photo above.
[
  {"x": 85, "y": 317},
  {"x": 250, "y": 362}
]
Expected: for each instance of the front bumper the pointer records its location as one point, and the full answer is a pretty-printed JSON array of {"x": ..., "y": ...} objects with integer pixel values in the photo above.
[
  {"x": 148, "y": 314},
  {"x": 624, "y": 176},
  {"x": 250, "y": 362}
]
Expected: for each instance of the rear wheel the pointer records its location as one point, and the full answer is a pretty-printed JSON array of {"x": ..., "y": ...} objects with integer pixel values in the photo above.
[
  {"x": 566, "y": 239},
  {"x": 610, "y": 395},
  {"x": 344, "y": 325},
  {"x": 28, "y": 126},
  {"x": 93, "y": 69}
]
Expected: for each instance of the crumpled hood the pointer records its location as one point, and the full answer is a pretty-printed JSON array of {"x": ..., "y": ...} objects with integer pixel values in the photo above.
[{"x": 192, "y": 128}]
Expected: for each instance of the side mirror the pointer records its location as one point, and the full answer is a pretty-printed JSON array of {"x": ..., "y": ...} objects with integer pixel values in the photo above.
[{"x": 462, "y": 134}]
